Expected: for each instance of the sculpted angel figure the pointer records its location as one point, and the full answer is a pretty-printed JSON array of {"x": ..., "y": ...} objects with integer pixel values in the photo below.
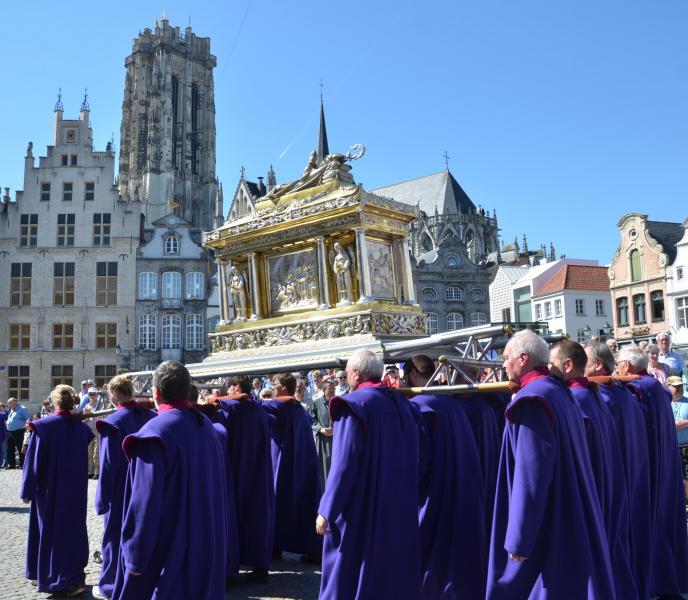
[
  {"x": 237, "y": 287},
  {"x": 343, "y": 264}
]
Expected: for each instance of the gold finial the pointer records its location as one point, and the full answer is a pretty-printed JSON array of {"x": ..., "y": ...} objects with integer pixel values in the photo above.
[{"x": 442, "y": 360}]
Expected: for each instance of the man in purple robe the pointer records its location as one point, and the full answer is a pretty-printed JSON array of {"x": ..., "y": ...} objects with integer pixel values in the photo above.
[
  {"x": 548, "y": 538},
  {"x": 296, "y": 473},
  {"x": 369, "y": 511},
  {"x": 568, "y": 361},
  {"x": 669, "y": 571},
  {"x": 55, "y": 482},
  {"x": 629, "y": 417},
  {"x": 129, "y": 418},
  {"x": 453, "y": 539},
  {"x": 174, "y": 528},
  {"x": 248, "y": 454}
]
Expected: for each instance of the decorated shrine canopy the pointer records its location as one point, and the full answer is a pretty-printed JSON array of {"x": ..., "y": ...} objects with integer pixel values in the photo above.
[{"x": 321, "y": 266}]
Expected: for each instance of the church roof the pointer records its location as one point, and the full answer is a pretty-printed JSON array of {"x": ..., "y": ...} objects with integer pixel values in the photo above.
[
  {"x": 585, "y": 278},
  {"x": 668, "y": 234},
  {"x": 438, "y": 191}
]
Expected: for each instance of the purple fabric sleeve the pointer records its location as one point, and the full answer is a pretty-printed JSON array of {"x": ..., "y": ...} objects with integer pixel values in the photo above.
[
  {"x": 347, "y": 445},
  {"x": 142, "y": 519},
  {"x": 534, "y": 457},
  {"x": 104, "y": 491},
  {"x": 30, "y": 473}
]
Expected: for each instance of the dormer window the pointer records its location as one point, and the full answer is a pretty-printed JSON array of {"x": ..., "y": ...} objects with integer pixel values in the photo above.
[{"x": 171, "y": 244}]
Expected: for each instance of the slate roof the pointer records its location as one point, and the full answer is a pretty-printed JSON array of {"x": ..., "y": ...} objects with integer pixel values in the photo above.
[
  {"x": 513, "y": 274},
  {"x": 439, "y": 190},
  {"x": 668, "y": 234},
  {"x": 577, "y": 277}
]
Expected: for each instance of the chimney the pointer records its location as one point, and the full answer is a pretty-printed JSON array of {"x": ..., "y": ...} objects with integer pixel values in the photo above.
[{"x": 261, "y": 187}]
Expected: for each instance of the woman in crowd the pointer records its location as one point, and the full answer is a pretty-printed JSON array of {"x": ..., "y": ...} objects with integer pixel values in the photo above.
[
  {"x": 658, "y": 370},
  {"x": 55, "y": 482}
]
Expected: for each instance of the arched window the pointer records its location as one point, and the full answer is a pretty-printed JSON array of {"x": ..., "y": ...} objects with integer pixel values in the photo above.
[
  {"x": 429, "y": 294},
  {"x": 478, "y": 295},
  {"x": 171, "y": 332},
  {"x": 433, "y": 321},
  {"x": 636, "y": 268},
  {"x": 478, "y": 318},
  {"x": 171, "y": 284},
  {"x": 453, "y": 292},
  {"x": 172, "y": 244},
  {"x": 426, "y": 243},
  {"x": 454, "y": 321}
]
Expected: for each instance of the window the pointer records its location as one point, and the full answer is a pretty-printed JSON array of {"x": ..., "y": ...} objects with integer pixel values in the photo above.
[
  {"x": 195, "y": 286},
  {"x": 65, "y": 160},
  {"x": 171, "y": 244},
  {"x": 61, "y": 374},
  {"x": 639, "y": 315},
  {"x": 147, "y": 332},
  {"x": 636, "y": 271},
  {"x": 171, "y": 332},
  {"x": 73, "y": 160},
  {"x": 45, "y": 191},
  {"x": 20, "y": 284},
  {"x": 106, "y": 284},
  {"x": 452, "y": 260},
  {"x": 65, "y": 229},
  {"x": 101, "y": 229},
  {"x": 63, "y": 284},
  {"x": 453, "y": 292},
  {"x": 171, "y": 284},
  {"x": 89, "y": 190},
  {"x": 506, "y": 315},
  {"x": 104, "y": 373},
  {"x": 213, "y": 323},
  {"x": 194, "y": 332},
  {"x": 581, "y": 335},
  {"x": 548, "y": 310},
  {"x": 679, "y": 272},
  {"x": 454, "y": 321},
  {"x": 538, "y": 312},
  {"x": 67, "y": 189},
  {"x": 429, "y": 294},
  {"x": 433, "y": 321},
  {"x": 28, "y": 230},
  {"x": 106, "y": 335},
  {"x": 599, "y": 307},
  {"x": 18, "y": 383},
  {"x": 657, "y": 302},
  {"x": 682, "y": 310},
  {"x": 175, "y": 119},
  {"x": 20, "y": 336},
  {"x": 148, "y": 286},
  {"x": 622, "y": 311},
  {"x": 580, "y": 306},
  {"x": 478, "y": 295},
  {"x": 557, "y": 308},
  {"x": 63, "y": 336},
  {"x": 478, "y": 318}
]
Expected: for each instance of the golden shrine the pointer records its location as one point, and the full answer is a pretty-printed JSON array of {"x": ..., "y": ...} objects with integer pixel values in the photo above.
[{"x": 321, "y": 268}]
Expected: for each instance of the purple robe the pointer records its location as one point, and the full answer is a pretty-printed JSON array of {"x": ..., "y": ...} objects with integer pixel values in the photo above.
[
  {"x": 546, "y": 506},
  {"x": 629, "y": 416},
  {"x": 248, "y": 453},
  {"x": 232, "y": 525},
  {"x": 111, "y": 483},
  {"x": 453, "y": 540},
  {"x": 371, "y": 499},
  {"x": 667, "y": 500},
  {"x": 174, "y": 527},
  {"x": 610, "y": 481},
  {"x": 296, "y": 475},
  {"x": 55, "y": 479}
]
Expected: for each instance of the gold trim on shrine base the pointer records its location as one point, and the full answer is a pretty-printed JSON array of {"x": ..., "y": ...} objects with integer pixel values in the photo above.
[{"x": 326, "y": 332}]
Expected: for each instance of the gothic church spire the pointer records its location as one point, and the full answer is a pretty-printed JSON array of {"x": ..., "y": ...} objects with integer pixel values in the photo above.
[{"x": 323, "y": 148}]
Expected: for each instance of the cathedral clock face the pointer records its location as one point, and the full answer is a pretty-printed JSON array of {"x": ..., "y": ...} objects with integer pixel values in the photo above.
[{"x": 453, "y": 260}]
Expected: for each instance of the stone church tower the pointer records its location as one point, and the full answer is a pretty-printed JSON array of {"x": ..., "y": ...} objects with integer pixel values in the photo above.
[{"x": 167, "y": 153}]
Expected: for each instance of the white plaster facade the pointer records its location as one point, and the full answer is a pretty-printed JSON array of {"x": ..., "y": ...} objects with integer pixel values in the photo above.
[{"x": 677, "y": 292}]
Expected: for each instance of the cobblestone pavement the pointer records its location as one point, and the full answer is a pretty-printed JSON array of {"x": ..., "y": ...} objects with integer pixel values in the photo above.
[{"x": 289, "y": 579}]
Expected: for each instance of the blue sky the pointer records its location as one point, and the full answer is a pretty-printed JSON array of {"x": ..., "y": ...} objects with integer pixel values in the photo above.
[{"x": 561, "y": 115}]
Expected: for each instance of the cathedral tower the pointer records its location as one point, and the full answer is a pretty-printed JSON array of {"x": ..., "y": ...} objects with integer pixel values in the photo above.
[{"x": 167, "y": 153}]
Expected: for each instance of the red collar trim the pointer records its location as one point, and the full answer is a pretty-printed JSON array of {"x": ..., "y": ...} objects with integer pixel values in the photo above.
[
  {"x": 641, "y": 373},
  {"x": 285, "y": 399},
  {"x": 128, "y": 404},
  {"x": 372, "y": 384},
  {"x": 579, "y": 382},
  {"x": 534, "y": 375},
  {"x": 240, "y": 397},
  {"x": 183, "y": 405}
]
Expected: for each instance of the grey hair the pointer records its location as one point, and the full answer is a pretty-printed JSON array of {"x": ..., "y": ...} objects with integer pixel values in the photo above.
[
  {"x": 664, "y": 334},
  {"x": 654, "y": 348},
  {"x": 368, "y": 363},
  {"x": 599, "y": 351},
  {"x": 635, "y": 357},
  {"x": 530, "y": 343},
  {"x": 612, "y": 341}
]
